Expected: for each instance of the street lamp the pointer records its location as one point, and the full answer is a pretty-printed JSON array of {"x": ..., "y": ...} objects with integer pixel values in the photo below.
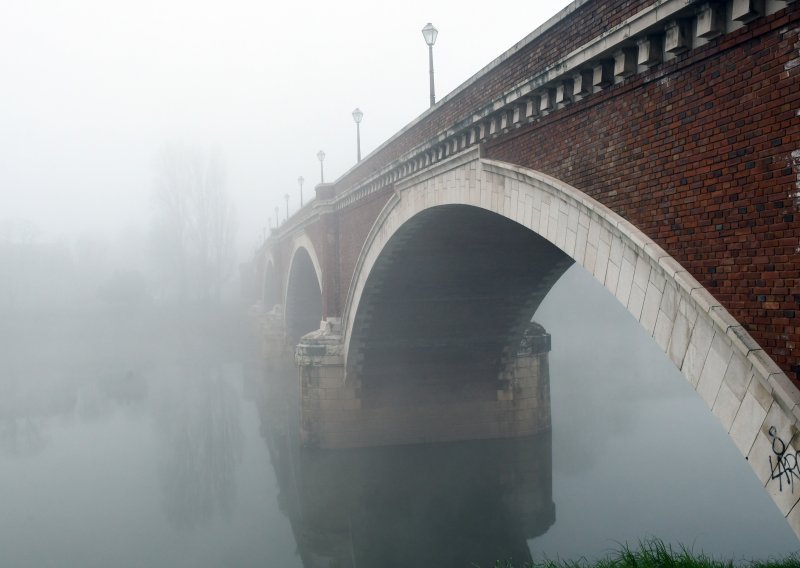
[
  {"x": 430, "y": 33},
  {"x": 286, "y": 197},
  {"x": 357, "y": 116},
  {"x": 300, "y": 180},
  {"x": 276, "y": 218},
  {"x": 321, "y": 157}
]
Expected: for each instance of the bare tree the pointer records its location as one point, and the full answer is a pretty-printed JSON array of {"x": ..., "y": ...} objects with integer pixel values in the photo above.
[{"x": 195, "y": 225}]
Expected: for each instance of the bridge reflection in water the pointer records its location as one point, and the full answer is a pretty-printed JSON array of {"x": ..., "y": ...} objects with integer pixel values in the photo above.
[{"x": 444, "y": 504}]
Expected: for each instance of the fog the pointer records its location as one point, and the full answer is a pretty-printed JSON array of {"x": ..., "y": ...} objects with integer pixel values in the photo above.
[
  {"x": 91, "y": 91},
  {"x": 144, "y": 149},
  {"x": 94, "y": 94}
]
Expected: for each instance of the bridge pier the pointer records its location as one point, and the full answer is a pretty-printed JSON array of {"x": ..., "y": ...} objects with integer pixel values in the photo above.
[
  {"x": 272, "y": 333},
  {"x": 337, "y": 411}
]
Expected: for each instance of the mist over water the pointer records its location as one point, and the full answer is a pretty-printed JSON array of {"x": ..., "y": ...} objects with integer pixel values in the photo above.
[
  {"x": 144, "y": 153},
  {"x": 158, "y": 437}
]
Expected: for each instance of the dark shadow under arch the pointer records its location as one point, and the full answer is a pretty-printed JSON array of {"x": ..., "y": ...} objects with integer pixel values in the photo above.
[
  {"x": 303, "y": 298},
  {"x": 453, "y": 290}
]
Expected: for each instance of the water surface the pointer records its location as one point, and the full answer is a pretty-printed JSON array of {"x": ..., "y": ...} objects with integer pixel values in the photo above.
[{"x": 153, "y": 439}]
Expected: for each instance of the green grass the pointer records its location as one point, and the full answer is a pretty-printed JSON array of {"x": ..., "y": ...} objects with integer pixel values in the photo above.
[{"x": 655, "y": 554}]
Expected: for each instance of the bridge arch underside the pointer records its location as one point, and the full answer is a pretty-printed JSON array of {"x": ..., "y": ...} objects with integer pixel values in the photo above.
[
  {"x": 303, "y": 298},
  {"x": 446, "y": 308}
]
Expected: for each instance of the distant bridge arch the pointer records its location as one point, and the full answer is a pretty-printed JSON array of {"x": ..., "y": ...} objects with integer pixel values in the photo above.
[{"x": 303, "y": 291}]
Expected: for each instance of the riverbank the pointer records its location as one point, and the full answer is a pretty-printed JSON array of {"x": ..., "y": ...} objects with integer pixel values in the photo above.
[{"x": 657, "y": 554}]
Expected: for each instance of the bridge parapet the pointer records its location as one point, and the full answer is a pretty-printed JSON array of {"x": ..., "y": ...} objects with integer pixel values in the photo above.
[{"x": 656, "y": 34}]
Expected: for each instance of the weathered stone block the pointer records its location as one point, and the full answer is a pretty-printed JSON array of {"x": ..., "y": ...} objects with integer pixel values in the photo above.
[
  {"x": 746, "y": 10},
  {"x": 679, "y": 339},
  {"x": 747, "y": 423},
  {"x": 761, "y": 390},
  {"x": 649, "y": 50},
  {"x": 726, "y": 406},
  {"x": 714, "y": 369},
  {"x": 612, "y": 277},
  {"x": 675, "y": 37},
  {"x": 758, "y": 458},
  {"x": 710, "y": 22},
  {"x": 650, "y": 306},
  {"x": 603, "y": 74},
  {"x": 626, "y": 272},
  {"x": 624, "y": 63},
  {"x": 697, "y": 350},
  {"x": 582, "y": 82},
  {"x": 738, "y": 375},
  {"x": 636, "y": 301},
  {"x": 662, "y": 332},
  {"x": 546, "y": 100},
  {"x": 564, "y": 93}
]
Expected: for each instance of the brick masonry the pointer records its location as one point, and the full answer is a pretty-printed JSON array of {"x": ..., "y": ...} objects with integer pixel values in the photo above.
[{"x": 697, "y": 153}]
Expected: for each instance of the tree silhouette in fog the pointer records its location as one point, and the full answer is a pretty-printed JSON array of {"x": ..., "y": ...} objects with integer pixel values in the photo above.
[{"x": 194, "y": 228}]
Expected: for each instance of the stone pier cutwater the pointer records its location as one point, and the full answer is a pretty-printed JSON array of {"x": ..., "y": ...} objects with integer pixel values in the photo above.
[{"x": 338, "y": 410}]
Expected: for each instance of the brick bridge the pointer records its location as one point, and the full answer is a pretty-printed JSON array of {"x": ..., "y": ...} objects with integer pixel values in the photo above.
[{"x": 655, "y": 143}]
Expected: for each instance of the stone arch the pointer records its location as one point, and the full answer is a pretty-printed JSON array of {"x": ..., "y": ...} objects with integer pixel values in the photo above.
[
  {"x": 744, "y": 389},
  {"x": 303, "y": 292},
  {"x": 447, "y": 306}
]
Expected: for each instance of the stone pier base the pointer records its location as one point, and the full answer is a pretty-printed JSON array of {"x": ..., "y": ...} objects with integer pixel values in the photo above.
[{"x": 336, "y": 412}]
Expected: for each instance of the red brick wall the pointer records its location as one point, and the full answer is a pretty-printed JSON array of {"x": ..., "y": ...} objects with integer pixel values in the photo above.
[
  {"x": 587, "y": 22},
  {"x": 697, "y": 154},
  {"x": 354, "y": 226}
]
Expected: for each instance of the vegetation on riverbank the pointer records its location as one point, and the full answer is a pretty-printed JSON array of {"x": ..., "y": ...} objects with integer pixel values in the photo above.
[{"x": 656, "y": 554}]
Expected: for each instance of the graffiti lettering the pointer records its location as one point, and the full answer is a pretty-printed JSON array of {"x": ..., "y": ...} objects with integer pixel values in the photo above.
[{"x": 784, "y": 468}]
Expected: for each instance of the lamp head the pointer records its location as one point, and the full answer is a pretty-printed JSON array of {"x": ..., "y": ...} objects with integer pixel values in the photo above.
[{"x": 429, "y": 33}]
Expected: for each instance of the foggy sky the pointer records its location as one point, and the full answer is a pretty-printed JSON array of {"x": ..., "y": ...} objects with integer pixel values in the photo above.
[{"x": 92, "y": 89}]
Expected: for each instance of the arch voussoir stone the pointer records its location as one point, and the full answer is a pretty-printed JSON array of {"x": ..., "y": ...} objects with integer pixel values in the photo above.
[{"x": 744, "y": 389}]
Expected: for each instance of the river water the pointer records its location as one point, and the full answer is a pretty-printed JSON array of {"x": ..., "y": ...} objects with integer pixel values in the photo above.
[{"x": 146, "y": 438}]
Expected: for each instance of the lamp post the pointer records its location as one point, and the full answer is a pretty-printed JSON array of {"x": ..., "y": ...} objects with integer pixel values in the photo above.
[
  {"x": 357, "y": 116},
  {"x": 430, "y": 33},
  {"x": 286, "y": 197},
  {"x": 321, "y": 157},
  {"x": 276, "y": 218},
  {"x": 300, "y": 180}
]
